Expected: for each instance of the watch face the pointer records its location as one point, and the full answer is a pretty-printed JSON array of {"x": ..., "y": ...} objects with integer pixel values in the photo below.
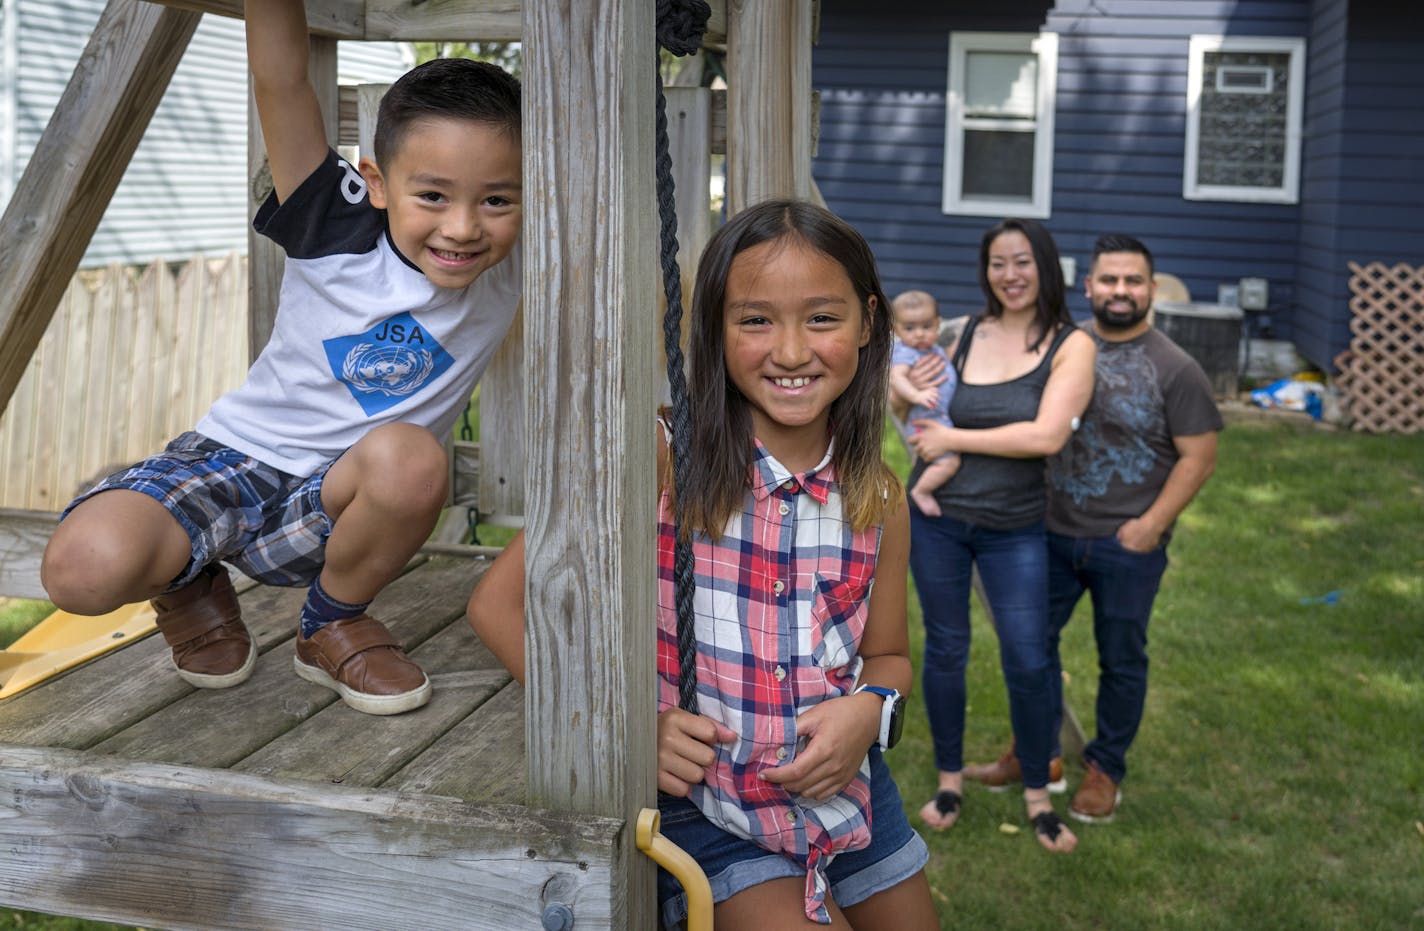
[{"x": 897, "y": 721}]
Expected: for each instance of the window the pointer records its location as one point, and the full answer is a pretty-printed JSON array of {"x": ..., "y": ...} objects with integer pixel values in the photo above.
[
  {"x": 998, "y": 158},
  {"x": 1244, "y": 100}
]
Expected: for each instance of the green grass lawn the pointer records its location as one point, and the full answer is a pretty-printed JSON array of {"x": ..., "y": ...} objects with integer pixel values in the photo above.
[{"x": 1278, "y": 781}]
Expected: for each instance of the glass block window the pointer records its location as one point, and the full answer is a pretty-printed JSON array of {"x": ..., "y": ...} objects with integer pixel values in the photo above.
[
  {"x": 999, "y": 125},
  {"x": 1244, "y": 101}
]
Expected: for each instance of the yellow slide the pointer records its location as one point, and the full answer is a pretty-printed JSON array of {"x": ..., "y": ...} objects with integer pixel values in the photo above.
[{"x": 63, "y": 640}]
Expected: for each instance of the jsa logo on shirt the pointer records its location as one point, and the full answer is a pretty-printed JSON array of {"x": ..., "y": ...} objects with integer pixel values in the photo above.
[{"x": 387, "y": 363}]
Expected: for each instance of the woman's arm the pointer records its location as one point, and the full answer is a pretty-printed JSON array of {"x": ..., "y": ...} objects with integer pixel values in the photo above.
[
  {"x": 1065, "y": 397},
  {"x": 842, "y": 730}
]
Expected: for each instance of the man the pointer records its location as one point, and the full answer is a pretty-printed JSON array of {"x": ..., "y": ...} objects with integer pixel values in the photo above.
[{"x": 1146, "y": 445}]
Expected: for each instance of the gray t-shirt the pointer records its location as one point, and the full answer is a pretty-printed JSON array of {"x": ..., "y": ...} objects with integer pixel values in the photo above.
[{"x": 1147, "y": 391}]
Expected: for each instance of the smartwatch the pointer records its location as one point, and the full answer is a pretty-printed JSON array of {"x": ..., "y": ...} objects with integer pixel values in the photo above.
[{"x": 892, "y": 714}]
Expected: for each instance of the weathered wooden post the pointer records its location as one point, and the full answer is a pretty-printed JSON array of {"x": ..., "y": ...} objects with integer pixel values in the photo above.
[
  {"x": 768, "y": 100},
  {"x": 590, "y": 373}
]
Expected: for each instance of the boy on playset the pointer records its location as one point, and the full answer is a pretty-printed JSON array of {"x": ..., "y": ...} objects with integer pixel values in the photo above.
[{"x": 325, "y": 468}]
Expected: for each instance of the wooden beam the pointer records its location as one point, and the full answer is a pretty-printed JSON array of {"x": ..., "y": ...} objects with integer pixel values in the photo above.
[
  {"x": 488, "y": 20},
  {"x": 336, "y": 19},
  {"x": 172, "y": 846},
  {"x": 265, "y": 258},
  {"x": 590, "y": 372},
  {"x": 23, "y": 537},
  {"x": 768, "y": 100},
  {"x": 77, "y": 164}
]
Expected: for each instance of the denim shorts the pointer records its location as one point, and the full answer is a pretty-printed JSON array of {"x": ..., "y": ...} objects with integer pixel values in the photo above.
[
  {"x": 266, "y": 523},
  {"x": 733, "y": 865}
]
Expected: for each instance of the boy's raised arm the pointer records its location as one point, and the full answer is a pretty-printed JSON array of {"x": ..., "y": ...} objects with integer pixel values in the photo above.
[{"x": 287, "y": 105}]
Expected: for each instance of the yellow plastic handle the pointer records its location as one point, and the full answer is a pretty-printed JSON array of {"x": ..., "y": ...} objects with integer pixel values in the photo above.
[{"x": 680, "y": 864}]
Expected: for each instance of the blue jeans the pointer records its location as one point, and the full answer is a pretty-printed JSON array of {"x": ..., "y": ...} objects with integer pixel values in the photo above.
[
  {"x": 1122, "y": 585},
  {"x": 733, "y": 865},
  {"x": 1013, "y": 565}
]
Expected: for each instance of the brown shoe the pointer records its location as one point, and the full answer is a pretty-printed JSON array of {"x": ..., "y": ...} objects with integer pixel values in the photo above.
[
  {"x": 202, "y": 623},
  {"x": 1005, "y": 772},
  {"x": 1097, "y": 798},
  {"x": 359, "y": 660}
]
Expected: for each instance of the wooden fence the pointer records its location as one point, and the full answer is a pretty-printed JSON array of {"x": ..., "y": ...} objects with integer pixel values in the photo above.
[{"x": 133, "y": 357}]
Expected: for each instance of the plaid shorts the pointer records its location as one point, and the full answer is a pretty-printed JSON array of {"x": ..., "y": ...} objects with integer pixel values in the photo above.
[{"x": 266, "y": 523}]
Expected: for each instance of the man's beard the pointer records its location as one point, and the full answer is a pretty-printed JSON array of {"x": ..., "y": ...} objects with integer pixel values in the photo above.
[{"x": 1119, "y": 319}]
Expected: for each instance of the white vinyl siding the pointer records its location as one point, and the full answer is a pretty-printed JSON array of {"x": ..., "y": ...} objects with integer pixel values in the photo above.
[
  {"x": 185, "y": 189},
  {"x": 1245, "y": 99},
  {"x": 998, "y": 158}
]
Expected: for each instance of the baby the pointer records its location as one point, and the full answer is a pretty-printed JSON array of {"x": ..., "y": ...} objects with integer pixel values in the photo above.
[{"x": 916, "y": 335}]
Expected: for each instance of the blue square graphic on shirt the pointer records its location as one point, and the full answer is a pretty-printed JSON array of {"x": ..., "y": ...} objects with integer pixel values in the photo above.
[{"x": 388, "y": 363}]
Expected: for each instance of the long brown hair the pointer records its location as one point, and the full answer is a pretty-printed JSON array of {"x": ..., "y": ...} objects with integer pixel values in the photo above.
[
  {"x": 721, "y": 448},
  {"x": 1052, "y": 310}
]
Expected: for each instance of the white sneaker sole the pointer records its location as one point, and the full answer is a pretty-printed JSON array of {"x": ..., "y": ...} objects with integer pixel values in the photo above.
[
  {"x": 1054, "y": 788},
  {"x": 1097, "y": 819},
  {"x": 204, "y": 680},
  {"x": 361, "y": 701}
]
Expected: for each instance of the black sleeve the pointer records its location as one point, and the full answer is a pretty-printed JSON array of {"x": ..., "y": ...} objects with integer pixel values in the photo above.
[{"x": 328, "y": 214}]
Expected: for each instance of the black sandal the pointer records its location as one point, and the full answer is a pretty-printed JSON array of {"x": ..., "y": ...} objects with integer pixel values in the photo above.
[
  {"x": 1048, "y": 825},
  {"x": 946, "y": 802}
]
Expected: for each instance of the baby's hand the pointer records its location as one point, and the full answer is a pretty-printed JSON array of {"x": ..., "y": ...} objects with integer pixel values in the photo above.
[
  {"x": 928, "y": 397},
  {"x": 840, "y": 732},
  {"x": 685, "y": 749}
]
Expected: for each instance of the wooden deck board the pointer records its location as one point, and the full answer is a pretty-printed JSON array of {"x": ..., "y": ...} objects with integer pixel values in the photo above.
[
  {"x": 322, "y": 749},
  {"x": 176, "y": 847},
  {"x": 133, "y": 797},
  {"x": 130, "y": 704},
  {"x": 93, "y": 702},
  {"x": 219, "y": 728},
  {"x": 474, "y": 760}
]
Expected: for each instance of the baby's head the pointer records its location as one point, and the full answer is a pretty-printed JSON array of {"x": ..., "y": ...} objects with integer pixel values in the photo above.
[
  {"x": 447, "y": 167},
  {"x": 916, "y": 319}
]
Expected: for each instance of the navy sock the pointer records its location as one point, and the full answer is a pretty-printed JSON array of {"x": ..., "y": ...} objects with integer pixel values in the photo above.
[{"x": 321, "y": 609}]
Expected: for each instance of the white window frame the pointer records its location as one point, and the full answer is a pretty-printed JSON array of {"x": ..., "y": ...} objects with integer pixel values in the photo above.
[
  {"x": 1289, "y": 190},
  {"x": 1045, "y": 46}
]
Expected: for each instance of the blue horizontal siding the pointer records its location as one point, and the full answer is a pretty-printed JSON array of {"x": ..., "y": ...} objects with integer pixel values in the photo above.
[{"x": 1119, "y": 139}]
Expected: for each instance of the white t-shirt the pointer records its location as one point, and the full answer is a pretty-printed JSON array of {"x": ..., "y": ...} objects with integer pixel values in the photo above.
[{"x": 362, "y": 338}]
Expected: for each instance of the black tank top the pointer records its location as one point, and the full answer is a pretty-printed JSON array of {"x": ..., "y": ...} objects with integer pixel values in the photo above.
[{"x": 996, "y": 492}]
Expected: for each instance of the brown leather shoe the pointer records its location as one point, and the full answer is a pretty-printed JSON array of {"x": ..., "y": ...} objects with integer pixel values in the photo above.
[
  {"x": 359, "y": 660},
  {"x": 202, "y": 623},
  {"x": 1005, "y": 772},
  {"x": 1097, "y": 798}
]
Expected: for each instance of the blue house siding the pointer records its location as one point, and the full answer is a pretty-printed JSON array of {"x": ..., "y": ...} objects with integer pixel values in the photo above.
[
  {"x": 1364, "y": 191},
  {"x": 1118, "y": 147},
  {"x": 1321, "y": 282}
]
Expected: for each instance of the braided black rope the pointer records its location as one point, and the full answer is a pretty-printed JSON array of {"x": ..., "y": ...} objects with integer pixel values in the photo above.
[{"x": 680, "y": 27}]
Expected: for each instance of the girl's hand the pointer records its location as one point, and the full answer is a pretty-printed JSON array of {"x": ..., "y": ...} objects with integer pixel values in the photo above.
[
  {"x": 840, "y": 732},
  {"x": 685, "y": 749},
  {"x": 931, "y": 440}
]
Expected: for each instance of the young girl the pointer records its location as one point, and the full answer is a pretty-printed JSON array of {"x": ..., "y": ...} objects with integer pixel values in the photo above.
[{"x": 777, "y": 787}]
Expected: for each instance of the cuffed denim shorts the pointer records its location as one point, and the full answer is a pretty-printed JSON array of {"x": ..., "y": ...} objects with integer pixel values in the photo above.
[
  {"x": 266, "y": 523},
  {"x": 732, "y": 864}
]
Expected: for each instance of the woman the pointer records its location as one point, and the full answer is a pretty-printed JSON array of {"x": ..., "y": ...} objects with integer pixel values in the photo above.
[{"x": 1025, "y": 376}]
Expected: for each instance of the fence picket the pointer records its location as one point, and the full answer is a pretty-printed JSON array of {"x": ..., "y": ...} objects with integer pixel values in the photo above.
[{"x": 132, "y": 358}]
